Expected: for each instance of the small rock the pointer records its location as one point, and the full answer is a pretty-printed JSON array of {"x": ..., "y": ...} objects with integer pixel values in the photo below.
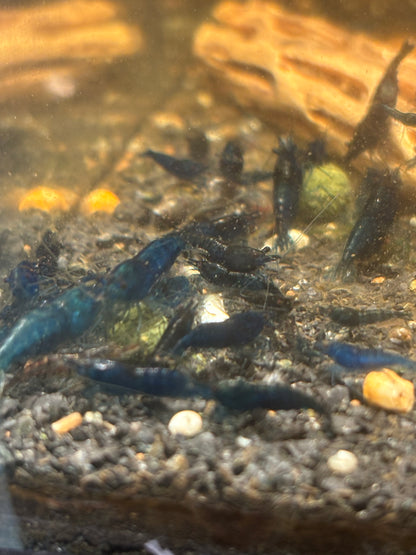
[
  {"x": 399, "y": 335},
  {"x": 8, "y": 407},
  {"x": 177, "y": 463},
  {"x": 105, "y": 241},
  {"x": 211, "y": 310},
  {"x": 343, "y": 462},
  {"x": 67, "y": 423},
  {"x": 186, "y": 422}
]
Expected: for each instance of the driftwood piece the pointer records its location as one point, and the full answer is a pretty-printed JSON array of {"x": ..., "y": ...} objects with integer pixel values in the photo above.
[
  {"x": 308, "y": 76},
  {"x": 50, "y": 44}
]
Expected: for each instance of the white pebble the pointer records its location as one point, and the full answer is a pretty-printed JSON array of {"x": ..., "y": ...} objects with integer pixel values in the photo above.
[
  {"x": 300, "y": 240},
  {"x": 343, "y": 462},
  {"x": 242, "y": 441},
  {"x": 186, "y": 422}
]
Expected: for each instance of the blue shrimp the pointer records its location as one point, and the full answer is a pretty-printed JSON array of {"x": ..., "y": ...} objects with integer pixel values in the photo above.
[
  {"x": 219, "y": 276},
  {"x": 241, "y": 395},
  {"x": 232, "y": 162},
  {"x": 47, "y": 253},
  {"x": 198, "y": 145},
  {"x": 161, "y": 382},
  {"x": 44, "y": 328},
  {"x": 182, "y": 168},
  {"x": 255, "y": 288},
  {"x": 374, "y": 223},
  {"x": 239, "y": 329},
  {"x": 287, "y": 185},
  {"x": 132, "y": 279},
  {"x": 375, "y": 125},
  {"x": 357, "y": 358},
  {"x": 23, "y": 281},
  {"x": 236, "y": 258},
  {"x": 225, "y": 228}
]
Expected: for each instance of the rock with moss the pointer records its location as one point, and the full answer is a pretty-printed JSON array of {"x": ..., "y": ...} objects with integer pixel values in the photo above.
[{"x": 326, "y": 191}]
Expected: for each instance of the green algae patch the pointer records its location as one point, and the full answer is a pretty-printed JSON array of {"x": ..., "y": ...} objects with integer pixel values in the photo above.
[
  {"x": 139, "y": 325},
  {"x": 326, "y": 191}
]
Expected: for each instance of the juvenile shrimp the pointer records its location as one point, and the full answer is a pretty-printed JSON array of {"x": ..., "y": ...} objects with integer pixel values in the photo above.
[
  {"x": 41, "y": 330},
  {"x": 183, "y": 168},
  {"x": 198, "y": 145},
  {"x": 47, "y": 253},
  {"x": 226, "y": 227},
  {"x": 349, "y": 316},
  {"x": 236, "y": 258},
  {"x": 23, "y": 281},
  {"x": 287, "y": 184},
  {"x": 232, "y": 162},
  {"x": 239, "y": 329},
  {"x": 358, "y": 358},
  {"x": 255, "y": 288},
  {"x": 132, "y": 279}
]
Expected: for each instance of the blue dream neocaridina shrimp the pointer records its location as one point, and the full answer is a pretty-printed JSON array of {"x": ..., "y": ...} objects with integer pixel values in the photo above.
[
  {"x": 161, "y": 382},
  {"x": 226, "y": 227},
  {"x": 198, "y": 144},
  {"x": 374, "y": 127},
  {"x": 219, "y": 276},
  {"x": 236, "y": 258},
  {"x": 287, "y": 185},
  {"x": 132, "y": 279},
  {"x": 374, "y": 223},
  {"x": 239, "y": 329},
  {"x": 23, "y": 281},
  {"x": 237, "y": 395},
  {"x": 241, "y": 395},
  {"x": 183, "y": 168},
  {"x": 44, "y": 328},
  {"x": 255, "y": 288},
  {"x": 352, "y": 357},
  {"x": 232, "y": 162}
]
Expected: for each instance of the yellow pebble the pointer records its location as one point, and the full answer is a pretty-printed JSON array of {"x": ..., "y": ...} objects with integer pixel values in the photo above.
[
  {"x": 387, "y": 390},
  {"x": 100, "y": 200},
  {"x": 47, "y": 199},
  {"x": 67, "y": 423}
]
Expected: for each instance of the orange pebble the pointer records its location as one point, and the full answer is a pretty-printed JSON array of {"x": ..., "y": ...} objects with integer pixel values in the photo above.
[
  {"x": 47, "y": 199},
  {"x": 100, "y": 200},
  {"x": 377, "y": 280},
  {"x": 387, "y": 390},
  {"x": 67, "y": 423}
]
